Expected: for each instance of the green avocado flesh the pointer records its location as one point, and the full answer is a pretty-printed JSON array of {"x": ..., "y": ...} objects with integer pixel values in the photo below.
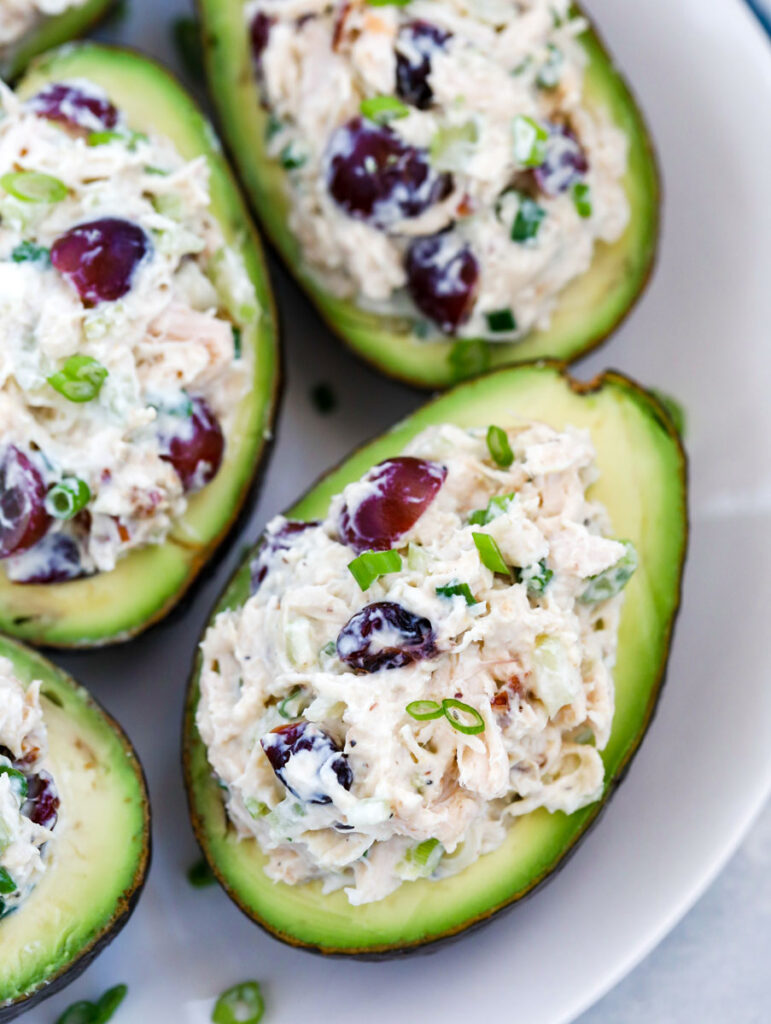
[
  {"x": 588, "y": 309},
  {"x": 101, "y": 847},
  {"x": 114, "y": 606},
  {"x": 50, "y": 32},
  {"x": 643, "y": 487}
]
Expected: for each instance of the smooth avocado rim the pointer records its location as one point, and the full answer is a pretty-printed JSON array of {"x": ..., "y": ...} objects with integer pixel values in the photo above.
[
  {"x": 53, "y": 30},
  {"x": 589, "y": 309},
  {"x": 643, "y": 486},
  {"x": 100, "y": 851},
  {"x": 111, "y": 607}
]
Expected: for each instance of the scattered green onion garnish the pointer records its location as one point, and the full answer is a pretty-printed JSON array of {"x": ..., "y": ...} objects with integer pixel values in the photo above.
[
  {"x": 582, "y": 199},
  {"x": 241, "y": 1004},
  {"x": 424, "y": 710},
  {"x": 367, "y": 567},
  {"x": 469, "y": 358},
  {"x": 501, "y": 320},
  {"x": 382, "y": 109},
  {"x": 237, "y": 341},
  {"x": 612, "y": 581},
  {"x": 330, "y": 649},
  {"x": 421, "y": 854},
  {"x": 456, "y": 589},
  {"x": 18, "y": 781},
  {"x": 490, "y": 553},
  {"x": 104, "y": 138},
  {"x": 99, "y": 1012},
  {"x": 529, "y": 141},
  {"x": 7, "y": 884},
  {"x": 33, "y": 187},
  {"x": 497, "y": 506},
  {"x": 528, "y": 220},
  {"x": 200, "y": 875},
  {"x": 28, "y": 252},
  {"x": 536, "y": 577},
  {"x": 67, "y": 498},
  {"x": 80, "y": 379},
  {"x": 149, "y": 169},
  {"x": 499, "y": 447},
  {"x": 290, "y": 158},
  {"x": 324, "y": 398},
  {"x": 293, "y": 695},
  {"x": 550, "y": 72},
  {"x": 272, "y": 127},
  {"x": 388, "y": 3},
  {"x": 455, "y": 710}
]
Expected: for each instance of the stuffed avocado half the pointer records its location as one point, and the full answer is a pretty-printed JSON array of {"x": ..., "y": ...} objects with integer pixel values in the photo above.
[
  {"x": 449, "y": 595},
  {"x": 429, "y": 282},
  {"x": 74, "y": 829},
  {"x": 30, "y": 33},
  {"x": 137, "y": 428}
]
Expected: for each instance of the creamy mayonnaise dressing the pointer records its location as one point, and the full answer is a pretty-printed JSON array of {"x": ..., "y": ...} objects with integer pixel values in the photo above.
[
  {"x": 496, "y": 63},
  {"x": 171, "y": 338},
  {"x": 23, "y": 736},
  {"x": 17, "y": 17},
  {"x": 372, "y": 796}
]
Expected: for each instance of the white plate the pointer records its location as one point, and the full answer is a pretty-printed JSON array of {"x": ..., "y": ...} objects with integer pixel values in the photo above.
[{"x": 703, "y": 74}]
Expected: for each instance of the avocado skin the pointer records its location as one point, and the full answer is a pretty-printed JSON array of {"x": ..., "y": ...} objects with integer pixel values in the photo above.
[
  {"x": 388, "y": 343},
  {"x": 192, "y": 747},
  {"x": 25, "y": 610},
  {"x": 129, "y": 898},
  {"x": 53, "y": 31}
]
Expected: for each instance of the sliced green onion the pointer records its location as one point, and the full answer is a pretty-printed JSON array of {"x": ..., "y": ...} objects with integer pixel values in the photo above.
[
  {"x": 550, "y": 72},
  {"x": 367, "y": 567},
  {"x": 454, "y": 710},
  {"x": 290, "y": 158},
  {"x": 149, "y": 169},
  {"x": 237, "y": 341},
  {"x": 67, "y": 498},
  {"x": 582, "y": 199},
  {"x": 388, "y": 3},
  {"x": 80, "y": 379},
  {"x": 528, "y": 220},
  {"x": 329, "y": 649},
  {"x": 241, "y": 1004},
  {"x": 7, "y": 884},
  {"x": 28, "y": 252},
  {"x": 421, "y": 854},
  {"x": 104, "y": 138},
  {"x": 33, "y": 187},
  {"x": 109, "y": 1003},
  {"x": 501, "y": 320},
  {"x": 18, "y": 781},
  {"x": 282, "y": 708},
  {"x": 424, "y": 710},
  {"x": 382, "y": 109},
  {"x": 469, "y": 358},
  {"x": 499, "y": 447},
  {"x": 612, "y": 581},
  {"x": 535, "y": 577},
  {"x": 456, "y": 589},
  {"x": 272, "y": 127},
  {"x": 497, "y": 506},
  {"x": 200, "y": 875},
  {"x": 490, "y": 553},
  {"x": 529, "y": 141}
]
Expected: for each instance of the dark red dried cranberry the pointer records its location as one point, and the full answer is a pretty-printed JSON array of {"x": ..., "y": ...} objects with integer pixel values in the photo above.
[
  {"x": 193, "y": 444},
  {"x": 277, "y": 540},
  {"x": 384, "y": 636},
  {"x": 418, "y": 42},
  {"x": 72, "y": 106},
  {"x": 442, "y": 278},
  {"x": 564, "y": 164},
  {"x": 23, "y": 517},
  {"x": 42, "y": 802},
  {"x": 100, "y": 257},
  {"x": 399, "y": 491},
  {"x": 374, "y": 175},
  {"x": 259, "y": 34},
  {"x": 54, "y": 559},
  {"x": 320, "y": 756}
]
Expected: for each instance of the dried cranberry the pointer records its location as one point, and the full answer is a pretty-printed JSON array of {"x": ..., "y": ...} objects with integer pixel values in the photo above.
[
  {"x": 277, "y": 540},
  {"x": 418, "y": 41},
  {"x": 398, "y": 492},
  {"x": 259, "y": 34},
  {"x": 74, "y": 107},
  {"x": 374, "y": 175},
  {"x": 565, "y": 162},
  {"x": 23, "y": 517},
  {"x": 302, "y": 755},
  {"x": 384, "y": 636},
  {"x": 100, "y": 257},
  {"x": 54, "y": 559},
  {"x": 193, "y": 444},
  {"x": 442, "y": 278},
  {"x": 42, "y": 802}
]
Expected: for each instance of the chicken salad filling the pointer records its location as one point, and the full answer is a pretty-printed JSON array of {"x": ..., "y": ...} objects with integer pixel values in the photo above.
[
  {"x": 122, "y": 308},
  {"x": 441, "y": 159},
  {"x": 20, "y": 16},
  {"x": 29, "y": 803},
  {"x": 427, "y": 664}
]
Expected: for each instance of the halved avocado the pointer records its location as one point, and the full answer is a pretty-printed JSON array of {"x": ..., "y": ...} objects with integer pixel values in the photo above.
[
  {"x": 643, "y": 487},
  {"x": 49, "y": 32},
  {"x": 147, "y": 583},
  {"x": 101, "y": 848},
  {"x": 588, "y": 310}
]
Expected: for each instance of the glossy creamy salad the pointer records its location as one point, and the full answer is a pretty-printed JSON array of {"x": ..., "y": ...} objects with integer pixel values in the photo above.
[
  {"x": 29, "y": 803},
  {"x": 423, "y": 667},
  {"x": 17, "y": 17},
  {"x": 442, "y": 162},
  {"x": 121, "y": 310}
]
